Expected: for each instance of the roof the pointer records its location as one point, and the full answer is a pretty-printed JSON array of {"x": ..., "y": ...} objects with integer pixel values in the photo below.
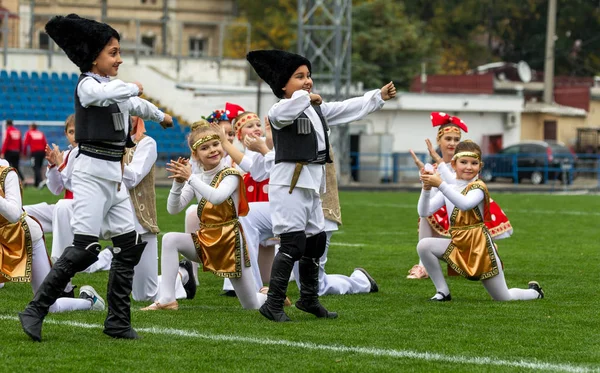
[{"x": 555, "y": 109}]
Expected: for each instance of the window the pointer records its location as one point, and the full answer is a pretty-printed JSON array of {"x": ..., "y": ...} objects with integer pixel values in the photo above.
[
  {"x": 197, "y": 47},
  {"x": 43, "y": 40},
  {"x": 148, "y": 41}
]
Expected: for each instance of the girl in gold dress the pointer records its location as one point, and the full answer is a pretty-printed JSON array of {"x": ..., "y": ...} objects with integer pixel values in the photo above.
[
  {"x": 470, "y": 251},
  {"x": 219, "y": 245}
]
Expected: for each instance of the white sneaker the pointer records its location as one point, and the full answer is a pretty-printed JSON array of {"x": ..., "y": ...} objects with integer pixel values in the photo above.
[{"x": 88, "y": 292}]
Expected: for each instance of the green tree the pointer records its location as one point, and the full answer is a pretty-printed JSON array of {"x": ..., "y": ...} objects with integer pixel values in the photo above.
[{"x": 387, "y": 44}]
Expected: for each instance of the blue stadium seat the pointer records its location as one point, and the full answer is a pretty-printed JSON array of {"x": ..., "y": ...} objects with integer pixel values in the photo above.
[
  {"x": 45, "y": 76},
  {"x": 14, "y": 75},
  {"x": 54, "y": 76},
  {"x": 24, "y": 75},
  {"x": 4, "y": 74},
  {"x": 35, "y": 75}
]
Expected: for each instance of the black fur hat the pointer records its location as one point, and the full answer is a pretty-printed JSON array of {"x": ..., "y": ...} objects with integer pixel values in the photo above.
[
  {"x": 276, "y": 67},
  {"x": 82, "y": 39}
]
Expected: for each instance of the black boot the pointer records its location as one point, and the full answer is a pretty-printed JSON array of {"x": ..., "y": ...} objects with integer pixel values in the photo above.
[
  {"x": 309, "y": 289},
  {"x": 120, "y": 282},
  {"x": 272, "y": 309},
  {"x": 71, "y": 261}
]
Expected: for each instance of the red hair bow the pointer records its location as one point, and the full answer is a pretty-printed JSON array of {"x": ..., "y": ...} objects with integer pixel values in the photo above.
[
  {"x": 233, "y": 110},
  {"x": 439, "y": 119}
]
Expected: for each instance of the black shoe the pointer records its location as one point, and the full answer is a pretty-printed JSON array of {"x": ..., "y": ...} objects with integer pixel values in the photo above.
[
  {"x": 374, "y": 287},
  {"x": 31, "y": 324},
  {"x": 229, "y": 293},
  {"x": 273, "y": 315},
  {"x": 190, "y": 285},
  {"x": 316, "y": 309},
  {"x": 535, "y": 286},
  {"x": 445, "y": 298}
]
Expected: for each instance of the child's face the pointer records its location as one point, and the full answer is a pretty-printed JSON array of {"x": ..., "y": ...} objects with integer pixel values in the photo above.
[
  {"x": 228, "y": 130},
  {"x": 209, "y": 154},
  {"x": 466, "y": 167},
  {"x": 253, "y": 129},
  {"x": 70, "y": 133},
  {"x": 447, "y": 144},
  {"x": 300, "y": 79},
  {"x": 108, "y": 61}
]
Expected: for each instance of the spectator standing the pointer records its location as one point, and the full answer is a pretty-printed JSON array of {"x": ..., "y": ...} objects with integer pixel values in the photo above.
[
  {"x": 11, "y": 147},
  {"x": 36, "y": 141}
]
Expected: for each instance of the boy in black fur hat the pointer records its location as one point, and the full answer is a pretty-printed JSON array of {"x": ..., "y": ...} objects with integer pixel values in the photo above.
[
  {"x": 300, "y": 124},
  {"x": 101, "y": 203}
]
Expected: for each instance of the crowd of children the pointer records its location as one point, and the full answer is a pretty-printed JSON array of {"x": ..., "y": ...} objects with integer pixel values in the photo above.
[{"x": 262, "y": 214}]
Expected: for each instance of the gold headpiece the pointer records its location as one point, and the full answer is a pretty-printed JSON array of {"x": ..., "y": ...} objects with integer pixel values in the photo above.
[
  {"x": 204, "y": 139},
  {"x": 447, "y": 129},
  {"x": 466, "y": 154},
  {"x": 245, "y": 119}
]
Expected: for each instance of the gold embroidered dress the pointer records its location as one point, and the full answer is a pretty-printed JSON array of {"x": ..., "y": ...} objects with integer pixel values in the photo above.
[
  {"x": 471, "y": 251},
  {"x": 15, "y": 243},
  {"x": 220, "y": 240}
]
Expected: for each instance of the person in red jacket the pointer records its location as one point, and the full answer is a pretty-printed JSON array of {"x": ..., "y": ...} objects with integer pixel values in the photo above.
[
  {"x": 11, "y": 147},
  {"x": 36, "y": 141}
]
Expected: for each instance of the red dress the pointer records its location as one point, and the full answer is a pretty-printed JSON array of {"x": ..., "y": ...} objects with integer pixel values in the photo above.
[{"x": 256, "y": 191}]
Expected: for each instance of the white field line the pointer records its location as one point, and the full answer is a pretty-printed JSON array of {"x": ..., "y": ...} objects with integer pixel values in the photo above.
[
  {"x": 549, "y": 212},
  {"x": 401, "y": 354}
]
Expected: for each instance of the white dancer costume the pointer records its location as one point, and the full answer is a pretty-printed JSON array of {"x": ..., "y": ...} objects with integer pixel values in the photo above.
[
  {"x": 431, "y": 250},
  {"x": 174, "y": 244}
]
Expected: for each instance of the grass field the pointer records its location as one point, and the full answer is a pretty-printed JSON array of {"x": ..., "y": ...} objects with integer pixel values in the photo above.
[{"x": 555, "y": 242}]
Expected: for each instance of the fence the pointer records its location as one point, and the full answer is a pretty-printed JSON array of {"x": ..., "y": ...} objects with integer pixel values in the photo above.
[{"x": 516, "y": 168}]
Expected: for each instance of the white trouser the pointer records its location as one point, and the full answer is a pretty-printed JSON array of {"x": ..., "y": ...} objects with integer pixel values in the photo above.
[
  {"x": 40, "y": 267},
  {"x": 299, "y": 211},
  {"x": 174, "y": 244},
  {"x": 145, "y": 275},
  {"x": 337, "y": 284},
  {"x": 62, "y": 236},
  {"x": 43, "y": 212},
  {"x": 425, "y": 231},
  {"x": 100, "y": 206},
  {"x": 431, "y": 250}
]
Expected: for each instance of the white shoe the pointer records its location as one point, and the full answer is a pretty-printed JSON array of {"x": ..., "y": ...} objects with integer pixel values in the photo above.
[{"x": 88, "y": 292}]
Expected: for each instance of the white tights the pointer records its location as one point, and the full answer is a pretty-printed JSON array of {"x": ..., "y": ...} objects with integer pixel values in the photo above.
[
  {"x": 40, "y": 267},
  {"x": 174, "y": 244},
  {"x": 431, "y": 251}
]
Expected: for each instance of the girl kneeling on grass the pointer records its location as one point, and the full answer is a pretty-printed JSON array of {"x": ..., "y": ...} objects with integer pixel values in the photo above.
[
  {"x": 470, "y": 251},
  {"x": 219, "y": 245},
  {"x": 23, "y": 256}
]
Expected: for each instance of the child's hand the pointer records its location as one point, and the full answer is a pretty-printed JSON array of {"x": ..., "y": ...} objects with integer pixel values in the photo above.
[
  {"x": 221, "y": 131},
  {"x": 167, "y": 122},
  {"x": 417, "y": 161},
  {"x": 140, "y": 88},
  {"x": 431, "y": 180},
  {"x": 180, "y": 170},
  {"x": 388, "y": 91},
  {"x": 315, "y": 99},
  {"x": 256, "y": 144},
  {"x": 434, "y": 155}
]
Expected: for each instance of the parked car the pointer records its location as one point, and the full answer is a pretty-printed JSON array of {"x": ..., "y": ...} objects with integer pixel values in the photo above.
[{"x": 534, "y": 160}]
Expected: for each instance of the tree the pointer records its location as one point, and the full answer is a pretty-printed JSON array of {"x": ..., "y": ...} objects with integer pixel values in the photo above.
[{"x": 387, "y": 44}]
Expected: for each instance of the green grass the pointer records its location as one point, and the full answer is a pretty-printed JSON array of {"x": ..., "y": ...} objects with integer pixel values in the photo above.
[{"x": 393, "y": 330}]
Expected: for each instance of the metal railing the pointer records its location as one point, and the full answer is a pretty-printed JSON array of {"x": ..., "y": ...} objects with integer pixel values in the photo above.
[{"x": 516, "y": 168}]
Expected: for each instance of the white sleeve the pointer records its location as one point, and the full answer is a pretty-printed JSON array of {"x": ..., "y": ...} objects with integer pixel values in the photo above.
[
  {"x": 286, "y": 111},
  {"x": 352, "y": 109},
  {"x": 246, "y": 162},
  {"x": 180, "y": 196},
  {"x": 11, "y": 205},
  {"x": 142, "y": 108},
  {"x": 463, "y": 202},
  {"x": 54, "y": 181},
  {"x": 429, "y": 204},
  {"x": 445, "y": 173},
  {"x": 143, "y": 159},
  {"x": 217, "y": 195},
  {"x": 93, "y": 93}
]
